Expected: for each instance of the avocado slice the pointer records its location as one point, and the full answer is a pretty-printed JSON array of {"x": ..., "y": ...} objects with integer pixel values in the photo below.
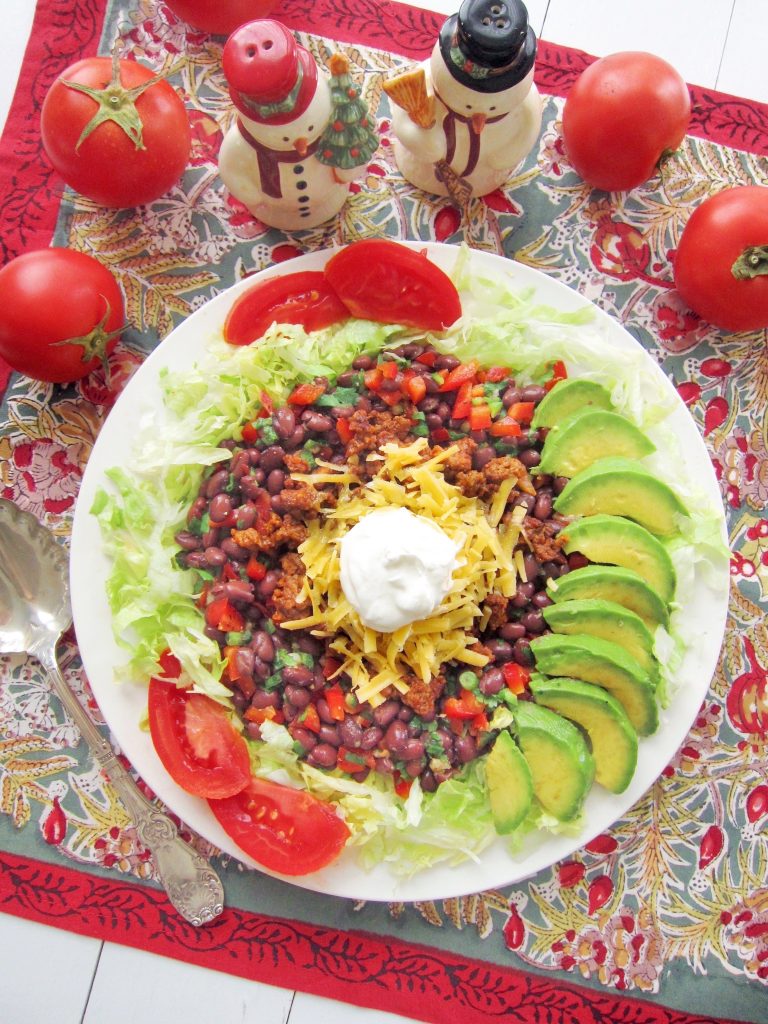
[
  {"x": 618, "y": 541},
  {"x": 599, "y": 661},
  {"x": 567, "y": 396},
  {"x": 612, "y": 583},
  {"x": 562, "y": 768},
  {"x": 609, "y": 621},
  {"x": 510, "y": 785},
  {"x": 621, "y": 487},
  {"x": 588, "y": 434},
  {"x": 613, "y": 739}
]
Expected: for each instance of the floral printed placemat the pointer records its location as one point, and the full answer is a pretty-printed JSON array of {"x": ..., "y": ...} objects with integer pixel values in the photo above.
[{"x": 670, "y": 906}]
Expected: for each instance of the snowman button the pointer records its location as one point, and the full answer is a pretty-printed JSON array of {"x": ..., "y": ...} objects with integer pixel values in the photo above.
[{"x": 298, "y": 169}]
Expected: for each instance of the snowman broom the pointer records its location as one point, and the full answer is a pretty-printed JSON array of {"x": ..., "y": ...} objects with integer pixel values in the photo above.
[{"x": 409, "y": 91}]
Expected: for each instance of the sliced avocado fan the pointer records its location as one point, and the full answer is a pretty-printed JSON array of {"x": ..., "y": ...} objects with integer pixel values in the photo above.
[
  {"x": 567, "y": 396},
  {"x": 589, "y": 434},
  {"x": 611, "y": 583},
  {"x": 510, "y": 785},
  {"x": 621, "y": 487}
]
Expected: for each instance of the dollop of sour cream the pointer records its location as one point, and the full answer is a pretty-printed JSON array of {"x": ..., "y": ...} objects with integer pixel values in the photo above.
[{"x": 396, "y": 568}]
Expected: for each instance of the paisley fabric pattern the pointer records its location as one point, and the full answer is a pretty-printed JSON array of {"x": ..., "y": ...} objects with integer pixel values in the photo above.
[{"x": 679, "y": 887}]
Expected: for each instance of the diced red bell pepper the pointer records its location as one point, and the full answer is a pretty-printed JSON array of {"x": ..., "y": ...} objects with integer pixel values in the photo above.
[
  {"x": 255, "y": 570},
  {"x": 259, "y": 715},
  {"x": 372, "y": 378},
  {"x": 250, "y": 432},
  {"x": 464, "y": 707},
  {"x": 480, "y": 723},
  {"x": 516, "y": 677},
  {"x": 521, "y": 411},
  {"x": 463, "y": 402},
  {"x": 441, "y": 434},
  {"x": 306, "y": 394},
  {"x": 479, "y": 417},
  {"x": 308, "y": 718},
  {"x": 506, "y": 427},
  {"x": 343, "y": 429},
  {"x": 403, "y": 787},
  {"x": 337, "y": 706},
  {"x": 222, "y": 614},
  {"x": 460, "y": 375},
  {"x": 330, "y": 666},
  {"x": 559, "y": 372},
  {"x": 428, "y": 358},
  {"x": 389, "y": 369},
  {"x": 390, "y": 397},
  {"x": 495, "y": 374},
  {"x": 353, "y": 761},
  {"x": 416, "y": 388}
]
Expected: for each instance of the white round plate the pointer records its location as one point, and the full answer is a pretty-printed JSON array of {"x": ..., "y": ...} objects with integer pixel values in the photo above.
[{"x": 122, "y": 704}]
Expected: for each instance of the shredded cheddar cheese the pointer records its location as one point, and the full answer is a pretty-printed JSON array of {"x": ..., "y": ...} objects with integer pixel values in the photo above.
[{"x": 486, "y": 556}]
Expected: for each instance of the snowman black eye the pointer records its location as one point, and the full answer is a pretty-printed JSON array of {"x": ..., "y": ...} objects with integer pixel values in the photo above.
[
  {"x": 493, "y": 108},
  {"x": 286, "y": 139},
  {"x": 311, "y": 128}
]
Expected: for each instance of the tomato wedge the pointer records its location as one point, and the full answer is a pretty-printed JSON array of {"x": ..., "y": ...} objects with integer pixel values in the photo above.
[
  {"x": 198, "y": 745},
  {"x": 286, "y": 830},
  {"x": 378, "y": 279},
  {"x": 304, "y": 298}
]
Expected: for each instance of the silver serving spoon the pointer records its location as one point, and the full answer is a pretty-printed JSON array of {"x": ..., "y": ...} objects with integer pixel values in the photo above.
[{"x": 34, "y": 612}]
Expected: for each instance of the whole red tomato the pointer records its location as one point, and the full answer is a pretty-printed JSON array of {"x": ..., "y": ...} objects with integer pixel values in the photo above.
[
  {"x": 115, "y": 133},
  {"x": 61, "y": 313},
  {"x": 220, "y": 16},
  {"x": 721, "y": 264},
  {"x": 624, "y": 112}
]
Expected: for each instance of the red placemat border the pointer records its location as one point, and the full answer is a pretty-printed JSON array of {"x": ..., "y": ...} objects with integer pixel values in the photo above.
[{"x": 356, "y": 967}]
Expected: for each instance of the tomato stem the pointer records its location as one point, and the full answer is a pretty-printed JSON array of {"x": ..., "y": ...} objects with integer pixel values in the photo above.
[
  {"x": 94, "y": 343},
  {"x": 753, "y": 262},
  {"x": 115, "y": 103}
]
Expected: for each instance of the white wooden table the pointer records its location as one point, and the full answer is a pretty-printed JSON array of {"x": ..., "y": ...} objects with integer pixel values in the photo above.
[{"x": 48, "y": 976}]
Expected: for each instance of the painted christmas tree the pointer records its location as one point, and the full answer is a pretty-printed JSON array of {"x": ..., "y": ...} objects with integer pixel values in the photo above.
[{"x": 349, "y": 140}]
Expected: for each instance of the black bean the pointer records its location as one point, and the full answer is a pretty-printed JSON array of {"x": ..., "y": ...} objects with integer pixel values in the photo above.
[
  {"x": 483, "y": 456},
  {"x": 261, "y": 669},
  {"x": 186, "y": 540},
  {"x": 351, "y": 732},
  {"x": 318, "y": 422},
  {"x": 529, "y": 458},
  {"x": 446, "y": 362},
  {"x": 330, "y": 734},
  {"x": 342, "y": 412},
  {"x": 526, "y": 501},
  {"x": 244, "y": 660},
  {"x": 266, "y": 587},
  {"x": 262, "y": 645},
  {"x": 492, "y": 680},
  {"x": 465, "y": 748},
  {"x": 284, "y": 421},
  {"x": 303, "y": 736},
  {"x": 275, "y": 481},
  {"x": 362, "y": 363},
  {"x": 446, "y": 738},
  {"x": 297, "y": 438},
  {"x": 391, "y": 383},
  {"x": 346, "y": 379},
  {"x": 216, "y": 482},
  {"x": 215, "y": 556},
  {"x": 308, "y": 645},
  {"x": 325, "y": 712},
  {"x": 276, "y": 503},
  {"x": 551, "y": 570},
  {"x": 432, "y": 386},
  {"x": 577, "y": 561},
  {"x": 405, "y": 714},
  {"x": 396, "y": 734},
  {"x": 522, "y": 652},
  {"x": 444, "y": 411},
  {"x": 233, "y": 550},
  {"x": 523, "y": 595},
  {"x": 265, "y": 699},
  {"x": 253, "y": 730},
  {"x": 272, "y": 458},
  {"x": 411, "y": 750},
  {"x": 196, "y": 509},
  {"x": 210, "y": 539},
  {"x": 533, "y": 393},
  {"x": 239, "y": 591},
  {"x": 533, "y": 622},
  {"x": 428, "y": 782},
  {"x": 289, "y": 712},
  {"x": 246, "y": 516},
  {"x": 323, "y": 755},
  {"x": 362, "y": 775},
  {"x": 501, "y": 650},
  {"x": 414, "y": 768},
  {"x": 559, "y": 484},
  {"x": 371, "y": 738},
  {"x": 297, "y": 696},
  {"x": 531, "y": 565},
  {"x": 429, "y": 404},
  {"x": 384, "y": 765},
  {"x": 297, "y": 675},
  {"x": 386, "y": 713},
  {"x": 543, "y": 507},
  {"x": 214, "y": 634},
  {"x": 510, "y": 396},
  {"x": 433, "y": 421},
  {"x": 251, "y": 486},
  {"x": 541, "y": 600},
  {"x": 512, "y": 631}
]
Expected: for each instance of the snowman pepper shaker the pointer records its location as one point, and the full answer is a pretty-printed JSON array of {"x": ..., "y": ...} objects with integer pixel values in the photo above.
[
  {"x": 466, "y": 117},
  {"x": 277, "y": 158}
]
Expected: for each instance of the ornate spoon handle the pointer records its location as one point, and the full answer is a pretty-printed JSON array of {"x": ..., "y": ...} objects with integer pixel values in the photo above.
[{"x": 193, "y": 887}]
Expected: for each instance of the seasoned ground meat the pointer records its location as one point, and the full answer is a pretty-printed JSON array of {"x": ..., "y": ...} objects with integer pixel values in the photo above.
[
  {"x": 272, "y": 534},
  {"x": 497, "y": 604},
  {"x": 460, "y": 460},
  {"x": 483, "y": 483},
  {"x": 285, "y": 597},
  {"x": 299, "y": 496},
  {"x": 295, "y": 463},
  {"x": 421, "y": 696},
  {"x": 371, "y": 430},
  {"x": 543, "y": 538}
]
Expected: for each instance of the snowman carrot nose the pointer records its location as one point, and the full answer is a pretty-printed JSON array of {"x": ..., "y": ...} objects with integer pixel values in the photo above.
[
  {"x": 478, "y": 122},
  {"x": 301, "y": 146}
]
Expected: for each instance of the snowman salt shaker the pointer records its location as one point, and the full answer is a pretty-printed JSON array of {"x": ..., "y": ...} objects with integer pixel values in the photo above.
[
  {"x": 300, "y": 137},
  {"x": 466, "y": 117}
]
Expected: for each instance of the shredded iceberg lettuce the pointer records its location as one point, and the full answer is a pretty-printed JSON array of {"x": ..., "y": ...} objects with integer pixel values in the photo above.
[{"x": 152, "y": 598}]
